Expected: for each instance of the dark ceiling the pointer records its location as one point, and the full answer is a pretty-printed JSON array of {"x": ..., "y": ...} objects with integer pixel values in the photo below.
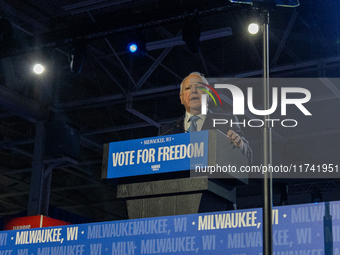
[{"x": 118, "y": 96}]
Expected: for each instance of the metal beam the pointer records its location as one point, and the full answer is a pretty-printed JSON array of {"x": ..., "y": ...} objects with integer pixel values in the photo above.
[
  {"x": 108, "y": 73},
  {"x": 25, "y": 108},
  {"x": 308, "y": 187},
  {"x": 286, "y": 49},
  {"x": 58, "y": 38},
  {"x": 119, "y": 128},
  {"x": 153, "y": 67},
  {"x": 99, "y": 101},
  {"x": 176, "y": 41},
  {"x": 166, "y": 68},
  {"x": 39, "y": 27},
  {"x": 36, "y": 198},
  {"x": 331, "y": 86},
  {"x": 284, "y": 38},
  {"x": 143, "y": 117},
  {"x": 115, "y": 53},
  {"x": 335, "y": 131},
  {"x": 91, "y": 5},
  {"x": 211, "y": 65},
  {"x": 305, "y": 65}
]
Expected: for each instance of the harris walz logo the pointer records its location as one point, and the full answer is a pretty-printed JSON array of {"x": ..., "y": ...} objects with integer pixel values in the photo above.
[{"x": 238, "y": 105}]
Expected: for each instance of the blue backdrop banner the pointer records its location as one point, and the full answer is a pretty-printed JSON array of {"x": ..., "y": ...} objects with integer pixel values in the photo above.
[{"x": 309, "y": 229}]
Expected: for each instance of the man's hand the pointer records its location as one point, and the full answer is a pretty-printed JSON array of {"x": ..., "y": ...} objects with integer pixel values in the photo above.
[{"x": 235, "y": 138}]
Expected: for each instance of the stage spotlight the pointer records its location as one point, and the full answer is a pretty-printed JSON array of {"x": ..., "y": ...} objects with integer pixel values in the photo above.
[
  {"x": 254, "y": 21},
  {"x": 191, "y": 33},
  {"x": 253, "y": 28},
  {"x": 38, "y": 68},
  {"x": 77, "y": 57},
  {"x": 137, "y": 47},
  {"x": 132, "y": 47}
]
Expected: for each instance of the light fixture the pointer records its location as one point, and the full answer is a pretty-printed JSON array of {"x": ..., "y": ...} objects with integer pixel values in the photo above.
[
  {"x": 254, "y": 21},
  {"x": 133, "y": 47},
  {"x": 137, "y": 45},
  {"x": 77, "y": 57},
  {"x": 38, "y": 68},
  {"x": 253, "y": 28}
]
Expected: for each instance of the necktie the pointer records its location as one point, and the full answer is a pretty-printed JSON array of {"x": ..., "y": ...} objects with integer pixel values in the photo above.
[{"x": 193, "y": 123}]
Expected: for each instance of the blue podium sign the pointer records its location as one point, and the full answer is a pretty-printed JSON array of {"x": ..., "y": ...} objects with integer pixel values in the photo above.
[
  {"x": 159, "y": 154},
  {"x": 308, "y": 229}
]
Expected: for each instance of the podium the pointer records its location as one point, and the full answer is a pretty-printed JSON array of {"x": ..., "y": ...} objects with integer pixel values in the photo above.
[{"x": 162, "y": 176}]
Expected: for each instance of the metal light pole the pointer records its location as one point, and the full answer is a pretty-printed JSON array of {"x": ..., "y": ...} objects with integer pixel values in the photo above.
[
  {"x": 267, "y": 143},
  {"x": 265, "y": 6}
]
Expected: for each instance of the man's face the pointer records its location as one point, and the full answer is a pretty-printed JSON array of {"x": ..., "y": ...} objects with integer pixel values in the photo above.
[{"x": 191, "y": 94}]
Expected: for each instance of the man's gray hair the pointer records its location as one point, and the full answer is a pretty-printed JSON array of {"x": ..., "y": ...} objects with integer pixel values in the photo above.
[{"x": 195, "y": 73}]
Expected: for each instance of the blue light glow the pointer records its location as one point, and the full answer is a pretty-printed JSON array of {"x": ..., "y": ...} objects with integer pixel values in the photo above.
[{"x": 133, "y": 47}]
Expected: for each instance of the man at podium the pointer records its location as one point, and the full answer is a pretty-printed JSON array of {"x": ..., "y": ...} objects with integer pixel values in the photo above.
[{"x": 193, "y": 120}]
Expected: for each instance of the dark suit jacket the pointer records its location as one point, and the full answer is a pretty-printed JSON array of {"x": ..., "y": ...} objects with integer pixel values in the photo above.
[{"x": 178, "y": 127}]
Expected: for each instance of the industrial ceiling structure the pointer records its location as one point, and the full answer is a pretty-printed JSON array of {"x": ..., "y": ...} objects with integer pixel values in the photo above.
[{"x": 118, "y": 96}]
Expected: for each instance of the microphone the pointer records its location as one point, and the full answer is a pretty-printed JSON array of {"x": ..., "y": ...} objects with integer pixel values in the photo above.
[{"x": 178, "y": 125}]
